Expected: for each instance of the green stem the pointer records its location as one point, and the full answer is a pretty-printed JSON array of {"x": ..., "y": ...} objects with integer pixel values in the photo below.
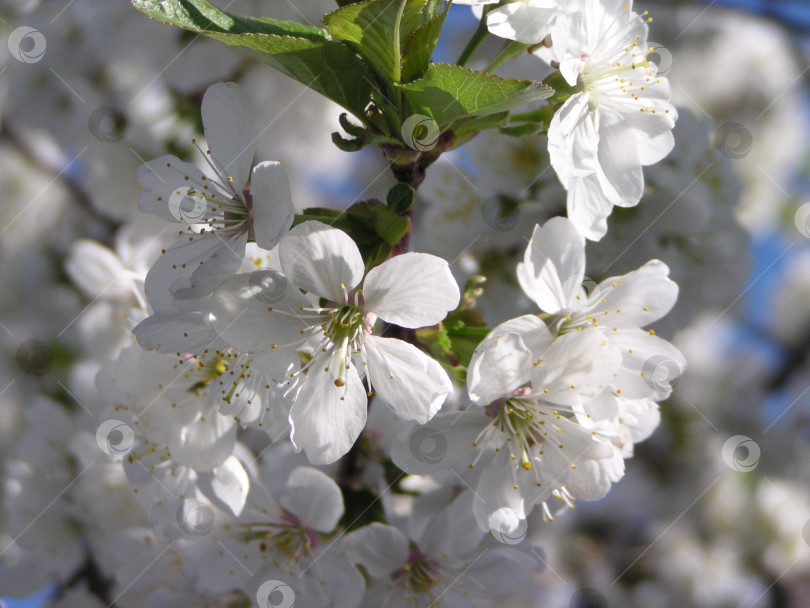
[
  {"x": 513, "y": 49},
  {"x": 477, "y": 38}
]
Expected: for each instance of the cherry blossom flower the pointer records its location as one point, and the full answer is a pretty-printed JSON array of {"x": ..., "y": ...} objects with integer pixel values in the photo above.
[
  {"x": 619, "y": 119},
  {"x": 442, "y": 563},
  {"x": 221, "y": 211},
  {"x": 329, "y": 410}
]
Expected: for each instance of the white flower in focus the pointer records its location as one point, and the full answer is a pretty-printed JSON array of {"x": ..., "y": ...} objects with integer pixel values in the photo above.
[
  {"x": 619, "y": 120},
  {"x": 411, "y": 290},
  {"x": 222, "y": 208},
  {"x": 552, "y": 274},
  {"x": 525, "y": 444}
]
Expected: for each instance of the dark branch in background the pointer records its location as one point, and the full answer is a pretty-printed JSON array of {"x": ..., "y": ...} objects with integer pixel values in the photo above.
[
  {"x": 78, "y": 194},
  {"x": 89, "y": 577},
  {"x": 795, "y": 355}
]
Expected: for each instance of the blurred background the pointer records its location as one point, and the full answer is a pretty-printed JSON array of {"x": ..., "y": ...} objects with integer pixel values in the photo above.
[{"x": 714, "y": 510}]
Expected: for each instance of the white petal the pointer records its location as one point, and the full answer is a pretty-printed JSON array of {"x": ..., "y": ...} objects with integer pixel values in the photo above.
[
  {"x": 327, "y": 419},
  {"x": 334, "y": 579},
  {"x": 640, "y": 416},
  {"x": 598, "y": 465},
  {"x": 496, "y": 490},
  {"x": 553, "y": 267},
  {"x": 252, "y": 312},
  {"x": 634, "y": 300},
  {"x": 160, "y": 179},
  {"x": 318, "y": 259},
  {"x": 576, "y": 367},
  {"x": 525, "y": 22},
  {"x": 453, "y": 531},
  {"x": 650, "y": 365},
  {"x": 411, "y": 290},
  {"x": 620, "y": 173},
  {"x": 408, "y": 380},
  {"x": 588, "y": 207},
  {"x": 380, "y": 549},
  {"x": 205, "y": 443},
  {"x": 98, "y": 271},
  {"x": 445, "y": 442},
  {"x": 229, "y": 130},
  {"x": 192, "y": 268},
  {"x": 313, "y": 498},
  {"x": 227, "y": 485},
  {"x": 272, "y": 210},
  {"x": 534, "y": 333},
  {"x": 502, "y": 571},
  {"x": 176, "y": 333},
  {"x": 498, "y": 366},
  {"x": 573, "y": 140}
]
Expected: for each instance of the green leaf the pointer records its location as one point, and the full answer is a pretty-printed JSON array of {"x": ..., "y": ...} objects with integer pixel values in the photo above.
[
  {"x": 448, "y": 92},
  {"x": 348, "y": 145},
  {"x": 523, "y": 129},
  {"x": 419, "y": 46},
  {"x": 400, "y": 199},
  {"x": 374, "y": 228},
  {"x": 480, "y": 123},
  {"x": 396, "y": 37},
  {"x": 300, "y": 51},
  {"x": 390, "y": 227},
  {"x": 202, "y": 16},
  {"x": 372, "y": 29},
  {"x": 433, "y": 8}
]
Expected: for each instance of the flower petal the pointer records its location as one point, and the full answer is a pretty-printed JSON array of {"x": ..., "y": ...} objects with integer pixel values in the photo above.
[
  {"x": 576, "y": 367},
  {"x": 319, "y": 259},
  {"x": 98, "y": 271},
  {"x": 411, "y": 382},
  {"x": 588, "y": 207},
  {"x": 192, "y": 268},
  {"x": 327, "y": 419},
  {"x": 161, "y": 178},
  {"x": 620, "y": 173},
  {"x": 229, "y": 131},
  {"x": 573, "y": 140},
  {"x": 553, "y": 267},
  {"x": 445, "y": 442},
  {"x": 205, "y": 443},
  {"x": 640, "y": 417},
  {"x": 534, "y": 333},
  {"x": 251, "y": 316},
  {"x": 523, "y": 21},
  {"x": 411, "y": 290},
  {"x": 498, "y": 366},
  {"x": 633, "y": 300},
  {"x": 272, "y": 210},
  {"x": 379, "y": 548},
  {"x": 227, "y": 485},
  {"x": 314, "y": 498},
  {"x": 176, "y": 333},
  {"x": 650, "y": 365}
]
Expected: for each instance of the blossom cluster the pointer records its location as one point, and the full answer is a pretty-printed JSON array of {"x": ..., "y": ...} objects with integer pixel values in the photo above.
[{"x": 286, "y": 416}]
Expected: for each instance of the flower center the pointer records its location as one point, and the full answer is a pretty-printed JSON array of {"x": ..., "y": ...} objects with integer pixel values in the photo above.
[
  {"x": 517, "y": 420},
  {"x": 291, "y": 538},
  {"x": 345, "y": 329},
  {"x": 420, "y": 574}
]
